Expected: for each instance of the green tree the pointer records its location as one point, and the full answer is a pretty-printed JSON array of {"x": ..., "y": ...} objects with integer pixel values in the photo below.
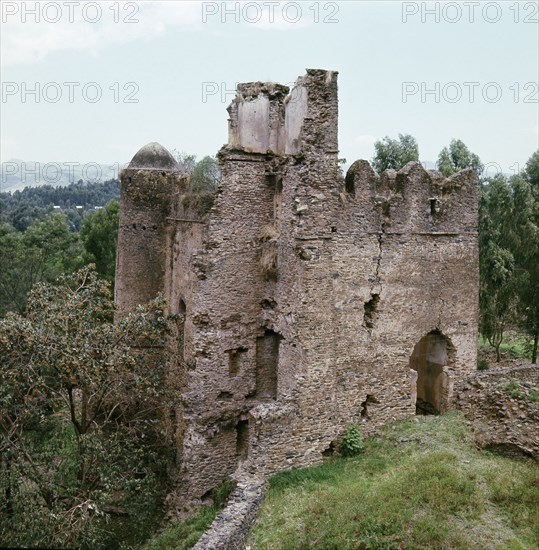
[
  {"x": 99, "y": 235},
  {"x": 41, "y": 253},
  {"x": 525, "y": 229},
  {"x": 457, "y": 157},
  {"x": 80, "y": 432},
  {"x": 497, "y": 298},
  {"x": 532, "y": 171},
  {"x": 204, "y": 174},
  {"x": 395, "y": 153}
]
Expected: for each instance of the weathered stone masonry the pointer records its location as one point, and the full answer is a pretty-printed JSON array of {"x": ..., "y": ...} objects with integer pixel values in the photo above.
[{"x": 307, "y": 301}]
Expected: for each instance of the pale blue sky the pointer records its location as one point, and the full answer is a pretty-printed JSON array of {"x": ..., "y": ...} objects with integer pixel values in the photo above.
[{"x": 170, "y": 53}]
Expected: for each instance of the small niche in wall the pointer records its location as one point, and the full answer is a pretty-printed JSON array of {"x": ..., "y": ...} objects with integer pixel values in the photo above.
[
  {"x": 370, "y": 310},
  {"x": 242, "y": 439},
  {"x": 182, "y": 312},
  {"x": 278, "y": 200},
  {"x": 267, "y": 363},
  {"x": 235, "y": 359},
  {"x": 370, "y": 399}
]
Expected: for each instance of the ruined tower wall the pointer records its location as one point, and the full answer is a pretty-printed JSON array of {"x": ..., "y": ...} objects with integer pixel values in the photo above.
[
  {"x": 301, "y": 295},
  {"x": 144, "y": 245},
  {"x": 380, "y": 268},
  {"x": 224, "y": 320}
]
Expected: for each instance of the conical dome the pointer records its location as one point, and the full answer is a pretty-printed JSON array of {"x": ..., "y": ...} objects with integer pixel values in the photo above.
[{"x": 153, "y": 156}]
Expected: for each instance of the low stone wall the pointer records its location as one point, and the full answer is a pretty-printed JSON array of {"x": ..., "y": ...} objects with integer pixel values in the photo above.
[
  {"x": 229, "y": 529},
  {"x": 503, "y": 405}
]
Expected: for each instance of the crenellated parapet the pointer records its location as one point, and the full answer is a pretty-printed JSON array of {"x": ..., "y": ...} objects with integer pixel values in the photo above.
[{"x": 412, "y": 199}]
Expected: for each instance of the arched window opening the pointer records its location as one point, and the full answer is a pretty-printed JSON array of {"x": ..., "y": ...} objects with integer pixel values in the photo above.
[{"x": 431, "y": 355}]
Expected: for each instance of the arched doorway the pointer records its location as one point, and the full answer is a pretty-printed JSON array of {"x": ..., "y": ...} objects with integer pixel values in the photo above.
[{"x": 430, "y": 358}]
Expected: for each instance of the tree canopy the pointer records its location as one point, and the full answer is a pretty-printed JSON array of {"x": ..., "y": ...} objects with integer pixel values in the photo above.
[
  {"x": 81, "y": 437},
  {"x": 395, "y": 153},
  {"x": 457, "y": 157}
]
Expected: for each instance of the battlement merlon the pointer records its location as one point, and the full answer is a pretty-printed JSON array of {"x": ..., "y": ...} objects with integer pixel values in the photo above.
[
  {"x": 422, "y": 200},
  {"x": 269, "y": 118}
]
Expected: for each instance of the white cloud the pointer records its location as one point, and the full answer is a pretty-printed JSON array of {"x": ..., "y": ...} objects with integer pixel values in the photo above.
[
  {"x": 25, "y": 40},
  {"x": 62, "y": 27}
]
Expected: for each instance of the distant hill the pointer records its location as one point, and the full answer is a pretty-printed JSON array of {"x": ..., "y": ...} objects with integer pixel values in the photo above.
[
  {"x": 16, "y": 174},
  {"x": 20, "y": 208}
]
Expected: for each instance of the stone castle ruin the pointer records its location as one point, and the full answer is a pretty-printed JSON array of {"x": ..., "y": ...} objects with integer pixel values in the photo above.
[{"x": 306, "y": 301}]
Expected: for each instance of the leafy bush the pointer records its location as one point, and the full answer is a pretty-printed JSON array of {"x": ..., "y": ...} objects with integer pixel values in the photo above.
[
  {"x": 482, "y": 364},
  {"x": 521, "y": 392},
  {"x": 351, "y": 443}
]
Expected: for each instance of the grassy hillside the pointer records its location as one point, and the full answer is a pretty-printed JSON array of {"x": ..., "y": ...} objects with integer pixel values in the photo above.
[{"x": 423, "y": 484}]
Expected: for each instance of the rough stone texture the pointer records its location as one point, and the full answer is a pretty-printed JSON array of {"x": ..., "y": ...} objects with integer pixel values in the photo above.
[
  {"x": 503, "y": 420},
  {"x": 301, "y": 294},
  {"x": 229, "y": 529}
]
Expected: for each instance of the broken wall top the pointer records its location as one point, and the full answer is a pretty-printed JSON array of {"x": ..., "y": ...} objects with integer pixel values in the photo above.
[{"x": 270, "y": 118}]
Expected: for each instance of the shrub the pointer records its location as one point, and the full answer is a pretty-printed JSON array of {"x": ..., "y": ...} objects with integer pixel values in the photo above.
[
  {"x": 482, "y": 364},
  {"x": 351, "y": 443}
]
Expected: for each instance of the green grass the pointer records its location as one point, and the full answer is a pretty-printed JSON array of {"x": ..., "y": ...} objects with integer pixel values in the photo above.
[
  {"x": 517, "y": 346},
  {"x": 181, "y": 536},
  {"x": 519, "y": 391},
  {"x": 184, "y": 535},
  {"x": 421, "y": 485}
]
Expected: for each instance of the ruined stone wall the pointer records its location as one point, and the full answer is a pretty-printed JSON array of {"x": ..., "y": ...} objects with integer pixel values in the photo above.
[
  {"x": 224, "y": 293},
  {"x": 301, "y": 295},
  {"x": 503, "y": 406},
  {"x": 149, "y": 186}
]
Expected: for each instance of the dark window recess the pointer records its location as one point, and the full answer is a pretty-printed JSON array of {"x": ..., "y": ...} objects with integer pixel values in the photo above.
[
  {"x": 224, "y": 395},
  {"x": 182, "y": 312},
  {"x": 242, "y": 439},
  {"x": 235, "y": 360},
  {"x": 267, "y": 362},
  {"x": 349, "y": 183},
  {"x": 277, "y": 199},
  {"x": 365, "y": 405},
  {"x": 371, "y": 309},
  {"x": 434, "y": 207}
]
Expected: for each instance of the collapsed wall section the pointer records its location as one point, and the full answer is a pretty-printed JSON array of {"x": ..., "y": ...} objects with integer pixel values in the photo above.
[{"x": 503, "y": 409}]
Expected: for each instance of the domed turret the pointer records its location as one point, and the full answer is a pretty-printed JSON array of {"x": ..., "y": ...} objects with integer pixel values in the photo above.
[
  {"x": 153, "y": 156},
  {"x": 149, "y": 187}
]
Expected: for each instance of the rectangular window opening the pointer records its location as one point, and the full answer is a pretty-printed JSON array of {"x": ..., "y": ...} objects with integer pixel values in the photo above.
[
  {"x": 267, "y": 363},
  {"x": 242, "y": 439}
]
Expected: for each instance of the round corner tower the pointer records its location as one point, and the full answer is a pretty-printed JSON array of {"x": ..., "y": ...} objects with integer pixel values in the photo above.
[{"x": 149, "y": 186}]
